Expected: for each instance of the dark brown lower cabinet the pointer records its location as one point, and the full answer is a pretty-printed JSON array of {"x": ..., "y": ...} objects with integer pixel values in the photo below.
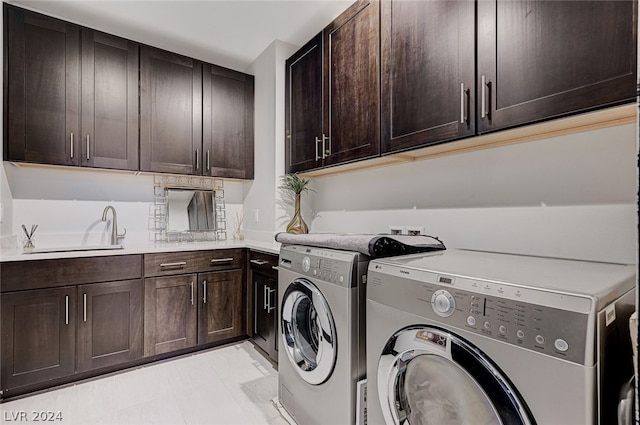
[
  {"x": 265, "y": 330},
  {"x": 170, "y": 313},
  {"x": 219, "y": 306},
  {"x": 109, "y": 323},
  {"x": 38, "y": 336}
]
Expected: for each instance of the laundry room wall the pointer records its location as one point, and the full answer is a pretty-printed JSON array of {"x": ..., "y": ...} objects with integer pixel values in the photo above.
[{"x": 573, "y": 196}]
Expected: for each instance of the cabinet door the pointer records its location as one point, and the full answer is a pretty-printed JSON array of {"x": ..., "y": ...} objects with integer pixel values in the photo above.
[
  {"x": 265, "y": 311},
  {"x": 304, "y": 107},
  {"x": 170, "y": 313},
  {"x": 170, "y": 112},
  {"x": 42, "y": 86},
  {"x": 38, "y": 336},
  {"x": 109, "y": 101},
  {"x": 227, "y": 123},
  {"x": 543, "y": 59},
  {"x": 352, "y": 84},
  {"x": 109, "y": 323},
  {"x": 428, "y": 72},
  {"x": 219, "y": 306}
]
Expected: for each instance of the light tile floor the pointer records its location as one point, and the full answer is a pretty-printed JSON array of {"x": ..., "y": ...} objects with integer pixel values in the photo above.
[{"x": 233, "y": 384}]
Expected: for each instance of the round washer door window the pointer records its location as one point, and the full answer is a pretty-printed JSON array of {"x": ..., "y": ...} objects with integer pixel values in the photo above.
[
  {"x": 308, "y": 331},
  {"x": 427, "y": 376}
]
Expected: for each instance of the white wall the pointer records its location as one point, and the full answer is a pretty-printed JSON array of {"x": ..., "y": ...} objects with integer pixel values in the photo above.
[
  {"x": 572, "y": 196},
  {"x": 261, "y": 209}
]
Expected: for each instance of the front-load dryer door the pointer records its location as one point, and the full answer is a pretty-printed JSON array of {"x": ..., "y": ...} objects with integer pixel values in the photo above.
[
  {"x": 428, "y": 376},
  {"x": 308, "y": 331}
]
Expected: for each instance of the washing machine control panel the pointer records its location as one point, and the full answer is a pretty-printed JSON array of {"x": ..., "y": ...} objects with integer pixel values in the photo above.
[
  {"x": 552, "y": 323},
  {"x": 337, "y": 267}
]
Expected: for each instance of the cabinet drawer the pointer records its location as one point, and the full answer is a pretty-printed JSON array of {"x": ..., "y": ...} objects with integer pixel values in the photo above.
[
  {"x": 263, "y": 262},
  {"x": 192, "y": 262},
  {"x": 35, "y": 274}
]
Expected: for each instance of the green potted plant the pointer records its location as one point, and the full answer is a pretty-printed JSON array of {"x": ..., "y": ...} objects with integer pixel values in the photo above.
[{"x": 295, "y": 184}]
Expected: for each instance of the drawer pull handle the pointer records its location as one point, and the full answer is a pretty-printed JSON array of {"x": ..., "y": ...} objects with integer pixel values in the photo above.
[
  {"x": 275, "y": 268},
  {"x": 84, "y": 299},
  {"x": 204, "y": 296},
  {"x": 66, "y": 309},
  {"x": 221, "y": 260},
  {"x": 191, "y": 292},
  {"x": 259, "y": 262},
  {"x": 179, "y": 264}
]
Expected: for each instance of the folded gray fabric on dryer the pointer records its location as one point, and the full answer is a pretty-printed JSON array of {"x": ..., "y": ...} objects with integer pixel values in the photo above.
[{"x": 375, "y": 246}]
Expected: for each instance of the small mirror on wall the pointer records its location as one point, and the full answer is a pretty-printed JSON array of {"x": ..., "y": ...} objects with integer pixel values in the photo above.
[{"x": 190, "y": 210}]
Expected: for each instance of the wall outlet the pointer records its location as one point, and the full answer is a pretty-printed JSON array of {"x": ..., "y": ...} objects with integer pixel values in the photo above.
[
  {"x": 396, "y": 230},
  {"x": 415, "y": 230}
]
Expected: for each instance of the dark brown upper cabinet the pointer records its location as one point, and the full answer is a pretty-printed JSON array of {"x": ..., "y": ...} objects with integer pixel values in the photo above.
[
  {"x": 109, "y": 101},
  {"x": 227, "y": 117},
  {"x": 304, "y": 111},
  {"x": 170, "y": 112},
  {"x": 352, "y": 84},
  {"x": 42, "y": 88},
  {"x": 72, "y": 94},
  {"x": 428, "y": 74},
  {"x": 544, "y": 59},
  {"x": 333, "y": 92}
]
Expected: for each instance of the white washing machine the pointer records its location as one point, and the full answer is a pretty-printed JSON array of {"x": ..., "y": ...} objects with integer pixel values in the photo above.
[
  {"x": 321, "y": 354},
  {"x": 465, "y": 337}
]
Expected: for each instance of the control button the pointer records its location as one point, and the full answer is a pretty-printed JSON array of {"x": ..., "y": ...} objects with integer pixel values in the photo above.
[
  {"x": 502, "y": 329},
  {"x": 561, "y": 345},
  {"x": 315, "y": 272},
  {"x": 471, "y": 321},
  {"x": 539, "y": 339},
  {"x": 341, "y": 279},
  {"x": 443, "y": 303},
  {"x": 306, "y": 264},
  {"x": 520, "y": 333},
  {"x": 487, "y": 325}
]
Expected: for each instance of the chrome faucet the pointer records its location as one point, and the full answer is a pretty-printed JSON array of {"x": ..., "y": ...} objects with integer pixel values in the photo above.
[{"x": 114, "y": 225}]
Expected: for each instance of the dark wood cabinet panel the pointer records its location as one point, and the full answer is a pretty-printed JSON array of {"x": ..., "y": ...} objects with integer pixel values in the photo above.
[
  {"x": 68, "y": 271},
  {"x": 38, "y": 336},
  {"x": 42, "y": 88},
  {"x": 265, "y": 310},
  {"x": 170, "y": 112},
  {"x": 227, "y": 123},
  {"x": 304, "y": 107},
  {"x": 219, "y": 306},
  {"x": 109, "y": 324},
  {"x": 428, "y": 72},
  {"x": 171, "y": 263},
  {"x": 109, "y": 101},
  {"x": 352, "y": 84},
  {"x": 170, "y": 313},
  {"x": 544, "y": 59}
]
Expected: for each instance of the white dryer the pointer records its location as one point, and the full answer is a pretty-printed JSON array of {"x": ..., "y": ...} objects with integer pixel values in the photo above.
[
  {"x": 321, "y": 354},
  {"x": 464, "y": 337}
]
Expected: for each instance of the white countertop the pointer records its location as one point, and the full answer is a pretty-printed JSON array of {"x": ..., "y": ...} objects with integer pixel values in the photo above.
[{"x": 15, "y": 254}]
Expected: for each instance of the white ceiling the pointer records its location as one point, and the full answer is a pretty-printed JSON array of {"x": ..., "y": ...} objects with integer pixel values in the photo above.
[{"x": 225, "y": 32}]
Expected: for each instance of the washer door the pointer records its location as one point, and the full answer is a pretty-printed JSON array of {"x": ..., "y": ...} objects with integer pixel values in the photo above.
[
  {"x": 308, "y": 331},
  {"x": 427, "y": 375}
]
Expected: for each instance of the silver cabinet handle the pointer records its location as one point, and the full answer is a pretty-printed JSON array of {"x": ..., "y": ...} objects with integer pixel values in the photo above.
[
  {"x": 317, "y": 143},
  {"x": 271, "y": 307},
  {"x": 483, "y": 110},
  {"x": 258, "y": 262},
  {"x": 462, "y": 103},
  {"x": 325, "y": 152},
  {"x": 84, "y": 297},
  {"x": 66, "y": 309},
  {"x": 265, "y": 298},
  {"x": 221, "y": 260},
  {"x": 486, "y": 98},
  {"x": 208, "y": 162},
  {"x": 179, "y": 264},
  {"x": 87, "y": 147},
  {"x": 197, "y": 160},
  {"x": 275, "y": 268},
  {"x": 71, "y": 138},
  {"x": 192, "y": 292},
  {"x": 204, "y": 297}
]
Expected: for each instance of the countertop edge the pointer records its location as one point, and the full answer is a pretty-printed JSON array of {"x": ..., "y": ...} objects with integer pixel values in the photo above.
[{"x": 11, "y": 255}]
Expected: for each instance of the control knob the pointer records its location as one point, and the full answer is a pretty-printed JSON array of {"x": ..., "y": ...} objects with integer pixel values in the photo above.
[{"x": 443, "y": 303}]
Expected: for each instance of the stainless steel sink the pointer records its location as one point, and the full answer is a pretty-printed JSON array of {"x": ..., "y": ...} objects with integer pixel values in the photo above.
[{"x": 74, "y": 248}]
